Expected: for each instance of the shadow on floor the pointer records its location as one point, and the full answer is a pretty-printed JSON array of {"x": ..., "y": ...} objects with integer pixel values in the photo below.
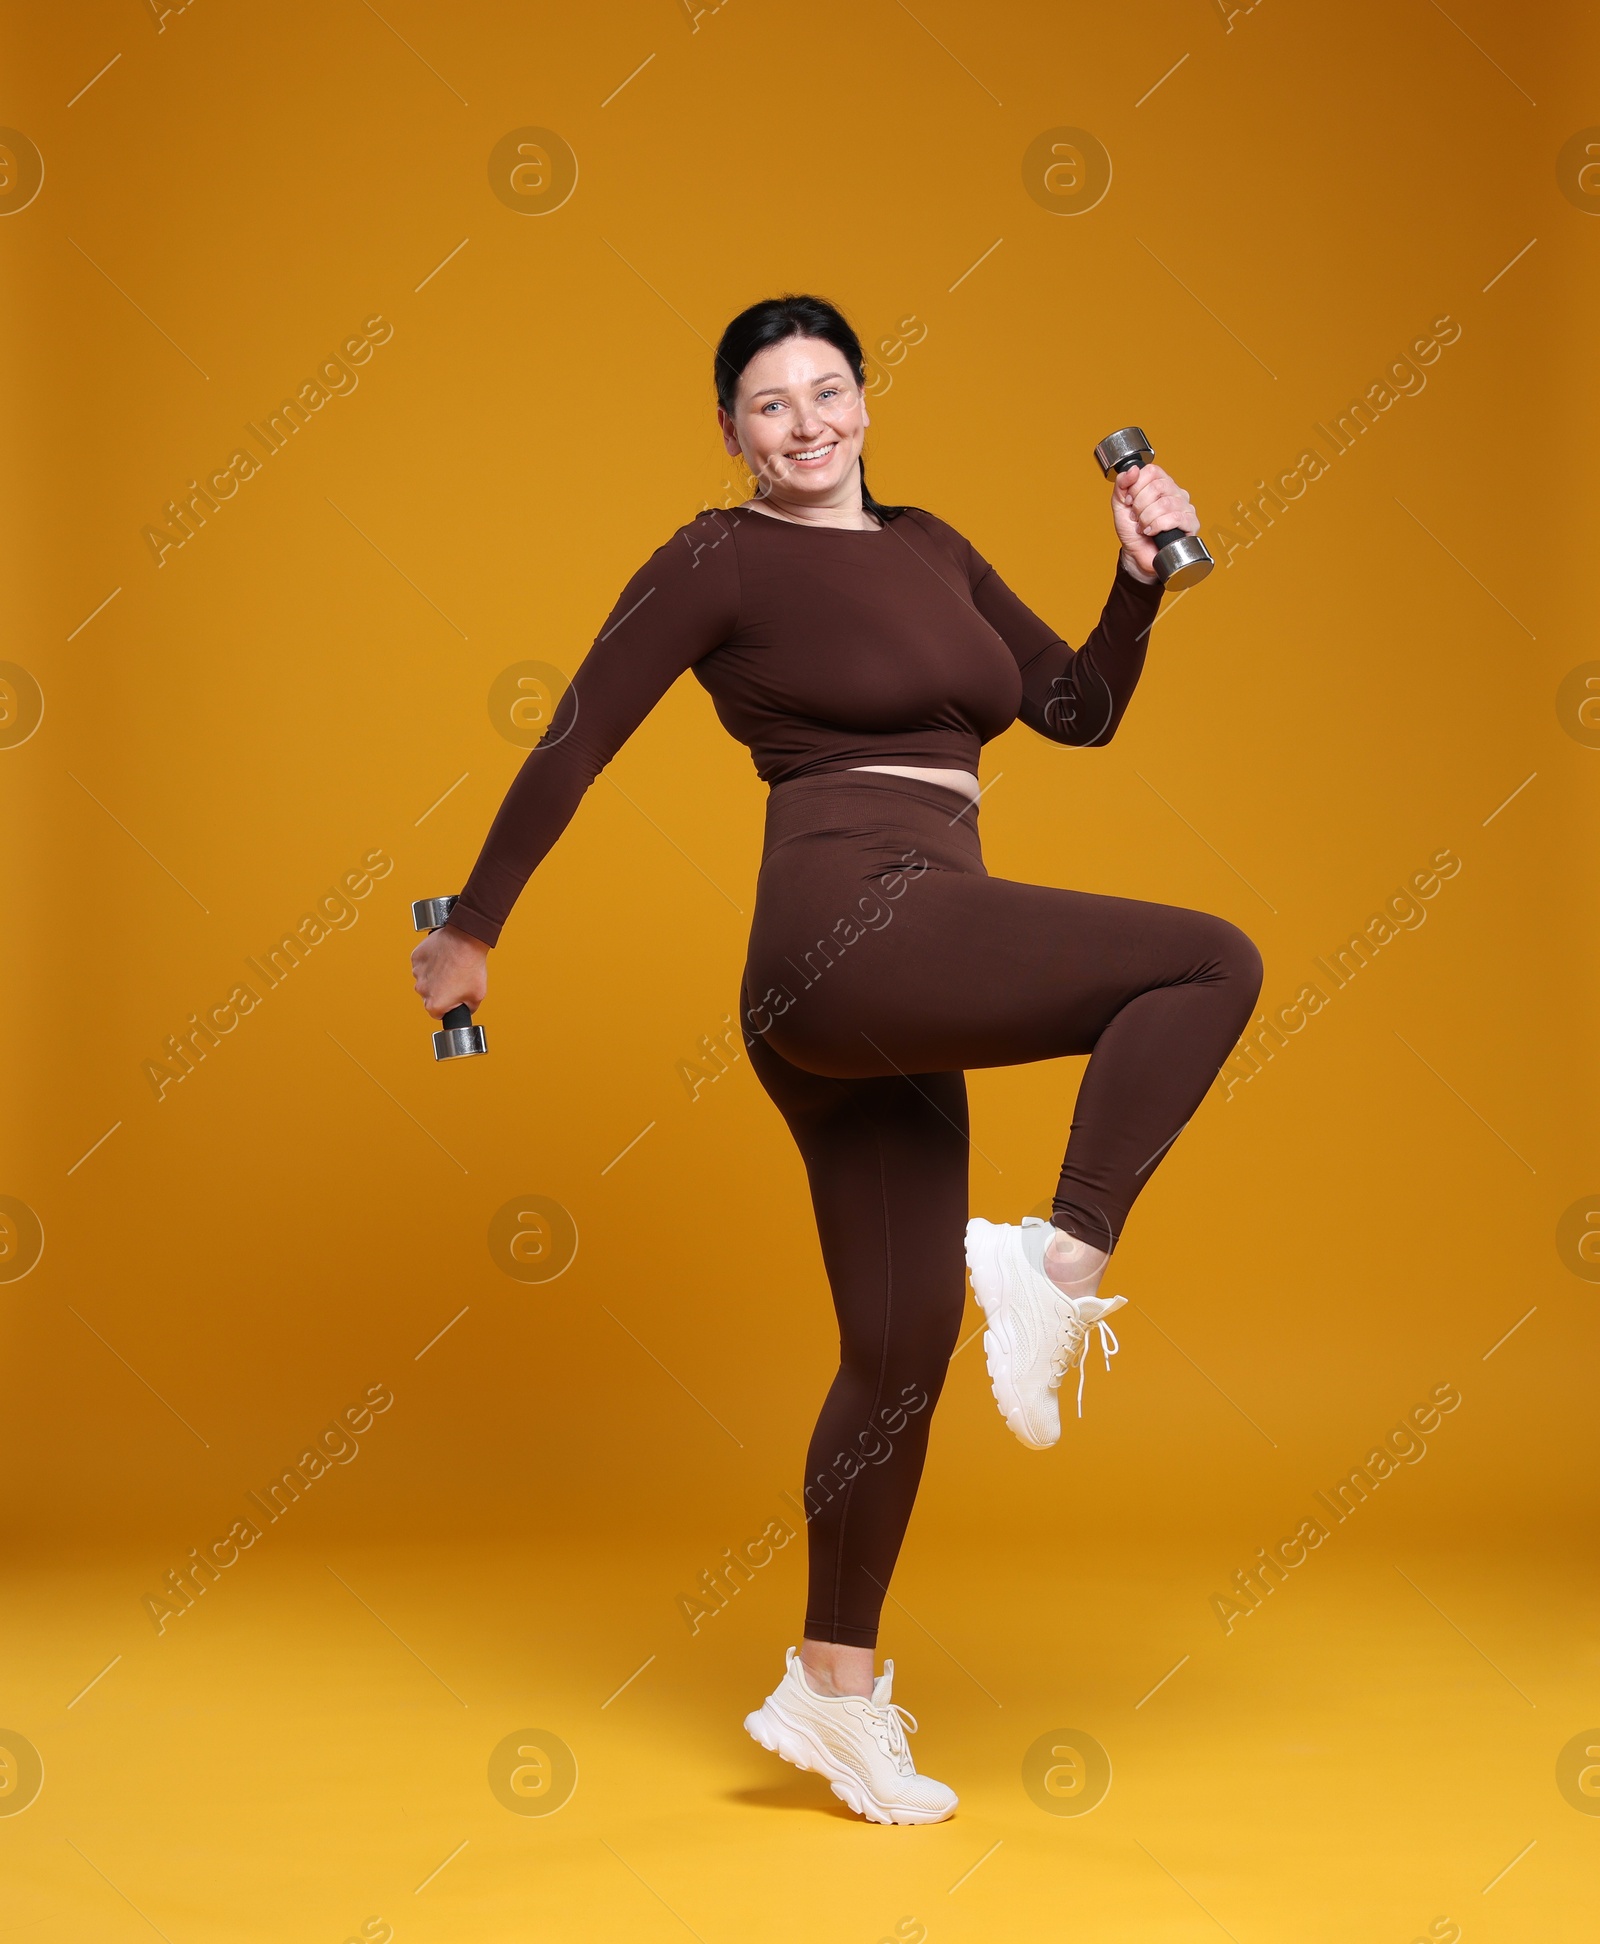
[{"x": 794, "y": 1792}]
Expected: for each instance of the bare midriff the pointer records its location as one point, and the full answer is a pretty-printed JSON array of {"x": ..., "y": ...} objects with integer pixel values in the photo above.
[{"x": 963, "y": 782}]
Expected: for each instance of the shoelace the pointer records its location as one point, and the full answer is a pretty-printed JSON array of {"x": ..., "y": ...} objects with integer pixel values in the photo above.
[
  {"x": 888, "y": 1728},
  {"x": 1072, "y": 1347}
]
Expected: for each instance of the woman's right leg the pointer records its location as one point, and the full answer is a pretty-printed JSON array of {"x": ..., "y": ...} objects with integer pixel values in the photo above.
[{"x": 887, "y": 1165}]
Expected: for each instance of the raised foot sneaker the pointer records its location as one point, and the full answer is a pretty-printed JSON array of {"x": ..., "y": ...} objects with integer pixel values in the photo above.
[
  {"x": 857, "y": 1742},
  {"x": 1036, "y": 1333}
]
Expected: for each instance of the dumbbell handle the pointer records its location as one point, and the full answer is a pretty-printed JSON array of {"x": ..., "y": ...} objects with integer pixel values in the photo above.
[{"x": 1157, "y": 540}]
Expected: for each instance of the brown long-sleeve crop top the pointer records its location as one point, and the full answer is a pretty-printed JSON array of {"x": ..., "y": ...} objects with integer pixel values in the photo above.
[{"x": 823, "y": 648}]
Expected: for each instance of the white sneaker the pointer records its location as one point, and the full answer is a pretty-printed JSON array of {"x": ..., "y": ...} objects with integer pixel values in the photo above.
[
  {"x": 1036, "y": 1333},
  {"x": 859, "y": 1744}
]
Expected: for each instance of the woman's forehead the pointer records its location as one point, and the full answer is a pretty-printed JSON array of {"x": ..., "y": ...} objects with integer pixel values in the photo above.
[{"x": 793, "y": 361}]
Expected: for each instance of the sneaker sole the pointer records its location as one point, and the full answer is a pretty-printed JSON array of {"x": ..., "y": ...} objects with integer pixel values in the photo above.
[
  {"x": 796, "y": 1744},
  {"x": 988, "y": 1285}
]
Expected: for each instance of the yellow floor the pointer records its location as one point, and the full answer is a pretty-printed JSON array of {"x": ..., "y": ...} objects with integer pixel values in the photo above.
[{"x": 305, "y": 1753}]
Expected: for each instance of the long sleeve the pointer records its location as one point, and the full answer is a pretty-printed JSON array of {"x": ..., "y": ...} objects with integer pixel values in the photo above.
[
  {"x": 682, "y": 603},
  {"x": 1072, "y": 695}
]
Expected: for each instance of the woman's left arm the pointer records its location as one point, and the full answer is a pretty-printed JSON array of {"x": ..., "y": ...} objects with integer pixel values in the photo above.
[{"x": 1078, "y": 696}]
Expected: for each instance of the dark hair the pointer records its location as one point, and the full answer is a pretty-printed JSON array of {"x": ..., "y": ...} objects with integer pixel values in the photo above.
[{"x": 774, "y": 320}]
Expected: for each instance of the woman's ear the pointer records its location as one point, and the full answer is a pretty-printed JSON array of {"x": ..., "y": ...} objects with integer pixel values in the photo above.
[{"x": 730, "y": 433}]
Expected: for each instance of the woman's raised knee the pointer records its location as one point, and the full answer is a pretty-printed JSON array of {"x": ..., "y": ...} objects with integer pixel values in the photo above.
[
  {"x": 1241, "y": 958},
  {"x": 1224, "y": 953}
]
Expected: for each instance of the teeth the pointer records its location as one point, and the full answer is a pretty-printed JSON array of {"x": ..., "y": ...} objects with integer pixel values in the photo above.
[{"x": 816, "y": 452}]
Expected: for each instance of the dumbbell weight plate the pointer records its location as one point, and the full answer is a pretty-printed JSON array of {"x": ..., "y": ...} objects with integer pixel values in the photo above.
[
  {"x": 1129, "y": 447},
  {"x": 457, "y": 1037},
  {"x": 1182, "y": 559},
  {"x": 428, "y": 914}
]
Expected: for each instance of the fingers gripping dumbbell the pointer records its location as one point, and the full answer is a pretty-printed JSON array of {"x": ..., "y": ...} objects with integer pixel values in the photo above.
[
  {"x": 1181, "y": 558},
  {"x": 457, "y": 1037}
]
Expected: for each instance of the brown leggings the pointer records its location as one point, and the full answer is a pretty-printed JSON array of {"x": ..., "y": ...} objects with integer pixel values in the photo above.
[{"x": 883, "y": 961}]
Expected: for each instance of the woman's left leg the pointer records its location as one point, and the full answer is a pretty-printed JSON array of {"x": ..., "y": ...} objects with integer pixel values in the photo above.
[{"x": 974, "y": 971}]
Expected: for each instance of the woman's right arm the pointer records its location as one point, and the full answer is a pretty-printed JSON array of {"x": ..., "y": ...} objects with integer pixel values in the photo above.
[{"x": 680, "y": 605}]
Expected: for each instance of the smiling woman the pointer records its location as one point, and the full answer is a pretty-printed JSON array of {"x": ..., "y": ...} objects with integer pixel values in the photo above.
[{"x": 865, "y": 653}]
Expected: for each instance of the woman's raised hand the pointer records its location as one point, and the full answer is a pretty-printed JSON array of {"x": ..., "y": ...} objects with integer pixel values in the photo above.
[
  {"x": 1145, "y": 501},
  {"x": 449, "y": 968}
]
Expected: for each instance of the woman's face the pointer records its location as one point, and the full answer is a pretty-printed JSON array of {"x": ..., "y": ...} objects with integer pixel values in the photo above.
[{"x": 799, "y": 418}]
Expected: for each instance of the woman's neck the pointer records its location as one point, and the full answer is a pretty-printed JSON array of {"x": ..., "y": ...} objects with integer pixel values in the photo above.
[{"x": 855, "y": 516}]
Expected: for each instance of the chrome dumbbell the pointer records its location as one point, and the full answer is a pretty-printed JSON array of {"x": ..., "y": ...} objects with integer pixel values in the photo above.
[
  {"x": 457, "y": 1037},
  {"x": 1181, "y": 558}
]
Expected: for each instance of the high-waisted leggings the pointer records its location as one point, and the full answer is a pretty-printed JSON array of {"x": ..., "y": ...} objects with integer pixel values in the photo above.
[{"x": 883, "y": 961}]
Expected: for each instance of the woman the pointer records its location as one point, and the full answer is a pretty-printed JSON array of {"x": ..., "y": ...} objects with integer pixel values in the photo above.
[{"x": 865, "y": 653}]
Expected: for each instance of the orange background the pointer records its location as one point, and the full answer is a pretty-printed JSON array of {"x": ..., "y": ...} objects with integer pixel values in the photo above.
[{"x": 300, "y": 683}]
